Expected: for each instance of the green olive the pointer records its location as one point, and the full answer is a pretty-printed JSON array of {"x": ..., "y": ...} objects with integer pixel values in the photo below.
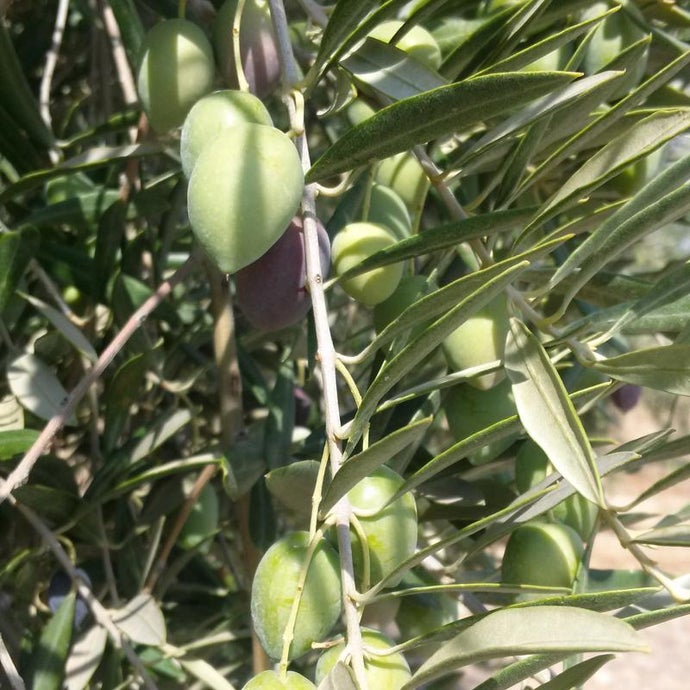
[
  {"x": 390, "y": 528},
  {"x": 356, "y": 242},
  {"x": 469, "y": 410},
  {"x": 417, "y": 42},
  {"x": 405, "y": 176},
  {"x": 542, "y": 553},
  {"x": 531, "y": 467},
  {"x": 176, "y": 69},
  {"x": 275, "y": 588},
  {"x": 270, "y": 680},
  {"x": 213, "y": 114},
  {"x": 389, "y": 672},
  {"x": 389, "y": 210},
  {"x": 243, "y": 193},
  {"x": 480, "y": 340}
]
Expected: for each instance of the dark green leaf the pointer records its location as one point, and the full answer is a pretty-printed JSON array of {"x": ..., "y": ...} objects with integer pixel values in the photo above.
[
  {"x": 293, "y": 485},
  {"x": 50, "y": 656},
  {"x": 16, "y": 250},
  {"x": 419, "y": 119}
]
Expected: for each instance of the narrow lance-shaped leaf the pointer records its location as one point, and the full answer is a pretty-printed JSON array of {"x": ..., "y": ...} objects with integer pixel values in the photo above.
[
  {"x": 508, "y": 632},
  {"x": 665, "y": 368},
  {"x": 547, "y": 412},
  {"x": 419, "y": 119},
  {"x": 390, "y": 70},
  {"x": 421, "y": 346},
  {"x": 672, "y": 535},
  {"x": 48, "y": 661},
  {"x": 363, "y": 464},
  {"x": 64, "y": 326},
  {"x": 643, "y": 138},
  {"x": 16, "y": 250}
]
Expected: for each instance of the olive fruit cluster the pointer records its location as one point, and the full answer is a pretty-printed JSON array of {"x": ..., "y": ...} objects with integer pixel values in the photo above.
[
  {"x": 177, "y": 63},
  {"x": 277, "y": 584}
]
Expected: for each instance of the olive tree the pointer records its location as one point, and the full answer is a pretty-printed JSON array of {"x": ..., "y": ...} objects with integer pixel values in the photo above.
[{"x": 315, "y": 319}]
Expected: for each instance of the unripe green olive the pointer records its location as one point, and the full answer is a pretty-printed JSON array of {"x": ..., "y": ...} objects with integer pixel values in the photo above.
[
  {"x": 390, "y": 528},
  {"x": 258, "y": 48},
  {"x": 243, "y": 192},
  {"x": 405, "y": 176},
  {"x": 202, "y": 521},
  {"x": 389, "y": 210},
  {"x": 531, "y": 467},
  {"x": 542, "y": 553},
  {"x": 389, "y": 672},
  {"x": 356, "y": 242},
  {"x": 417, "y": 42},
  {"x": 275, "y": 588},
  {"x": 176, "y": 69},
  {"x": 270, "y": 680},
  {"x": 213, "y": 114},
  {"x": 480, "y": 340},
  {"x": 469, "y": 410}
]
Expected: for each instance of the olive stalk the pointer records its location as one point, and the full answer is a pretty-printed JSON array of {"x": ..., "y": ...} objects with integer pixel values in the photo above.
[{"x": 326, "y": 350}]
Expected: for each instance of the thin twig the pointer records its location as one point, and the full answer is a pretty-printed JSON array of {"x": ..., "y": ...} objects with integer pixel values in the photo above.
[
  {"x": 99, "y": 612},
  {"x": 9, "y": 668},
  {"x": 51, "y": 61},
  {"x": 20, "y": 474},
  {"x": 326, "y": 350}
]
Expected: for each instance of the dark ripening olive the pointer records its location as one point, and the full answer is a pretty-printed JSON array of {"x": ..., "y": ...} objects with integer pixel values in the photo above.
[
  {"x": 275, "y": 588},
  {"x": 59, "y": 587},
  {"x": 176, "y": 69},
  {"x": 271, "y": 291},
  {"x": 258, "y": 48}
]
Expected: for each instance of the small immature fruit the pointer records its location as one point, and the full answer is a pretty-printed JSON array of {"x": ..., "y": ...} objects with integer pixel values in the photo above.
[
  {"x": 542, "y": 553},
  {"x": 271, "y": 291},
  {"x": 480, "y": 340},
  {"x": 405, "y": 176},
  {"x": 243, "y": 192},
  {"x": 270, "y": 680},
  {"x": 202, "y": 521},
  {"x": 417, "y": 42},
  {"x": 258, "y": 48},
  {"x": 531, "y": 467},
  {"x": 356, "y": 242},
  {"x": 389, "y": 672},
  {"x": 469, "y": 410},
  {"x": 390, "y": 528},
  {"x": 276, "y": 586},
  {"x": 176, "y": 69},
  {"x": 214, "y": 113}
]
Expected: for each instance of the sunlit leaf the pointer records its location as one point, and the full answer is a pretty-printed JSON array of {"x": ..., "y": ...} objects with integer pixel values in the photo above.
[
  {"x": 547, "y": 413},
  {"x": 141, "y": 619},
  {"x": 419, "y": 119},
  {"x": 84, "y": 657},
  {"x": 542, "y": 629}
]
